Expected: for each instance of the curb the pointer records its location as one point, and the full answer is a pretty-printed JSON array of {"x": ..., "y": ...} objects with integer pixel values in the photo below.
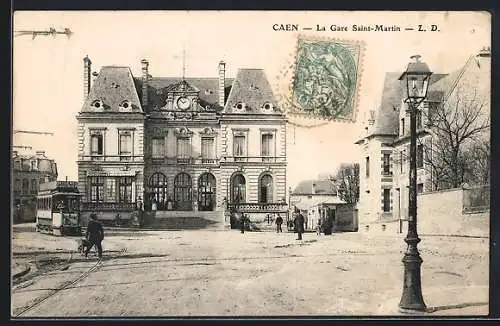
[{"x": 23, "y": 272}]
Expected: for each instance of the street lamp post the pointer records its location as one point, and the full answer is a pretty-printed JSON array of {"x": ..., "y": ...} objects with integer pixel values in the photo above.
[{"x": 417, "y": 77}]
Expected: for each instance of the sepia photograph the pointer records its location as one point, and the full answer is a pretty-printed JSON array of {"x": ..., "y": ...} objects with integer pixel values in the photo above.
[{"x": 250, "y": 164}]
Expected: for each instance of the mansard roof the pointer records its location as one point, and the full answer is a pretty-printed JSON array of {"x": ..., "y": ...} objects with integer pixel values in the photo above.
[
  {"x": 251, "y": 88},
  {"x": 387, "y": 117},
  {"x": 113, "y": 87}
]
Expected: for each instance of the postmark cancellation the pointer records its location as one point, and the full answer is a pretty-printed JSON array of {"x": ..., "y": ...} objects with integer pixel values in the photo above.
[{"x": 322, "y": 79}]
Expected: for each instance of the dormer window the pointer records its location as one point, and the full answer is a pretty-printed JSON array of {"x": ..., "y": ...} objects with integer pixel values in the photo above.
[
  {"x": 240, "y": 106},
  {"x": 98, "y": 104},
  {"x": 209, "y": 92},
  {"x": 125, "y": 105},
  {"x": 267, "y": 106}
]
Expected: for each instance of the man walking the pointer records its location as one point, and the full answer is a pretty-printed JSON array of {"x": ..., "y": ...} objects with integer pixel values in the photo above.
[
  {"x": 140, "y": 212},
  {"x": 299, "y": 224},
  {"x": 95, "y": 235},
  {"x": 279, "y": 221}
]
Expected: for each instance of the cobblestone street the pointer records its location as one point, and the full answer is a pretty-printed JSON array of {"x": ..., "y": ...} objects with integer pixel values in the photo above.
[{"x": 226, "y": 273}]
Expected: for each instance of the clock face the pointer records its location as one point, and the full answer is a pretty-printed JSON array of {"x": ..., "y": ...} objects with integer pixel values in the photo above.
[{"x": 183, "y": 103}]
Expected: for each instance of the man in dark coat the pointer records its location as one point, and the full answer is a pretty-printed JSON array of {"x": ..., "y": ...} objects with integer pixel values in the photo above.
[
  {"x": 95, "y": 235},
  {"x": 279, "y": 221},
  {"x": 299, "y": 224}
]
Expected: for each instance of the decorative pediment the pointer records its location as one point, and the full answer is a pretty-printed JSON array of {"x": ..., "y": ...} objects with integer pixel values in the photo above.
[
  {"x": 183, "y": 132},
  {"x": 208, "y": 131}
]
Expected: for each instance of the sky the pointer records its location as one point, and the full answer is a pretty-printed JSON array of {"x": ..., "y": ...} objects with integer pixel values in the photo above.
[{"x": 48, "y": 71}]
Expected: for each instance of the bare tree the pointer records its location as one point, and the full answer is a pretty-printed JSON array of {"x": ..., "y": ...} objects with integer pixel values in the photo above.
[
  {"x": 347, "y": 179},
  {"x": 459, "y": 126}
]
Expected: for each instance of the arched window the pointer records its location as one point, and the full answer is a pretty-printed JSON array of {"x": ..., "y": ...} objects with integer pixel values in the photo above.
[
  {"x": 266, "y": 189},
  {"x": 238, "y": 189},
  {"x": 158, "y": 185},
  {"x": 206, "y": 192},
  {"x": 183, "y": 191}
]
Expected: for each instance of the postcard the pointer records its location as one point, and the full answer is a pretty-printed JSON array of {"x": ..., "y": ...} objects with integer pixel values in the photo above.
[{"x": 250, "y": 163}]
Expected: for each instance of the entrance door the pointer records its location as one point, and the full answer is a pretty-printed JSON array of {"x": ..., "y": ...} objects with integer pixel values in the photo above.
[
  {"x": 206, "y": 191},
  {"x": 158, "y": 186},
  {"x": 182, "y": 192}
]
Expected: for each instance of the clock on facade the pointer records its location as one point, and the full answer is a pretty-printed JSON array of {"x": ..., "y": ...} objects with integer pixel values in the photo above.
[{"x": 183, "y": 103}]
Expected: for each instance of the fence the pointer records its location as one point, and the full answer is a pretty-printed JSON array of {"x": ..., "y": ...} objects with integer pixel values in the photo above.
[{"x": 476, "y": 199}]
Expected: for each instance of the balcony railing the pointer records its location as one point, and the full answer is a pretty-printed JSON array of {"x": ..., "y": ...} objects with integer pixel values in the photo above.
[
  {"x": 254, "y": 159},
  {"x": 108, "y": 206},
  {"x": 260, "y": 207},
  {"x": 113, "y": 158}
]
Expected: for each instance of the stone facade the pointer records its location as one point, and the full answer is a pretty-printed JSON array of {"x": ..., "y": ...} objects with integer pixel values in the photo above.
[
  {"x": 385, "y": 145},
  {"x": 29, "y": 171},
  {"x": 186, "y": 144}
]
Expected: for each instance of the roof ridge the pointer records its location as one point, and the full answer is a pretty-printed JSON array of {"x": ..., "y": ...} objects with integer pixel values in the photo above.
[{"x": 457, "y": 79}]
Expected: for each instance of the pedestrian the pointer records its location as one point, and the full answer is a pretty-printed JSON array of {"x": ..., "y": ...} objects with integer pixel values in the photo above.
[
  {"x": 140, "y": 212},
  {"x": 318, "y": 227},
  {"x": 95, "y": 235},
  {"x": 299, "y": 224},
  {"x": 154, "y": 207},
  {"x": 279, "y": 221},
  {"x": 242, "y": 223}
]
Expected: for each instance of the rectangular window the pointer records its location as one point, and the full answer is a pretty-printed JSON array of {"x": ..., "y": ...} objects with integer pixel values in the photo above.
[
  {"x": 110, "y": 190},
  {"x": 26, "y": 187},
  {"x": 402, "y": 126},
  {"x": 267, "y": 145},
  {"x": 420, "y": 188},
  {"x": 17, "y": 165},
  {"x": 158, "y": 147},
  {"x": 420, "y": 156},
  {"x": 387, "y": 200},
  {"x": 386, "y": 164},
  {"x": 17, "y": 185},
  {"x": 34, "y": 188},
  {"x": 96, "y": 189},
  {"x": 367, "y": 166},
  {"x": 183, "y": 148},
  {"x": 34, "y": 166},
  {"x": 207, "y": 148},
  {"x": 401, "y": 161},
  {"x": 125, "y": 190},
  {"x": 125, "y": 144},
  {"x": 97, "y": 144},
  {"x": 239, "y": 149}
]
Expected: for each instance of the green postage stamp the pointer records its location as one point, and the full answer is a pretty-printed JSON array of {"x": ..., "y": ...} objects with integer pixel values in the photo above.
[{"x": 325, "y": 79}]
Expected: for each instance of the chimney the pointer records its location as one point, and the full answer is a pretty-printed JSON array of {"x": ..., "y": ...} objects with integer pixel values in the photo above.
[
  {"x": 313, "y": 188},
  {"x": 86, "y": 76},
  {"x": 40, "y": 153},
  {"x": 145, "y": 80},
  {"x": 371, "y": 119},
  {"x": 483, "y": 57},
  {"x": 485, "y": 52},
  {"x": 222, "y": 83}
]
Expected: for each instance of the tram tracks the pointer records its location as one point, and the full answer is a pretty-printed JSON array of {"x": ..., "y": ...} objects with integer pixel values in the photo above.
[{"x": 62, "y": 287}]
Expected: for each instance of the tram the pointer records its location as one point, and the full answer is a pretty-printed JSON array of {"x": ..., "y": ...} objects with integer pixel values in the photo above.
[{"x": 58, "y": 208}]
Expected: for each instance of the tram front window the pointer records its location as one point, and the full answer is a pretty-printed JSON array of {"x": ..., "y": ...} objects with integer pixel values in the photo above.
[{"x": 65, "y": 204}]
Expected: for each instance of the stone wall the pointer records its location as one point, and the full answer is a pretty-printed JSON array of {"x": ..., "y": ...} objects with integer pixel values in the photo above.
[{"x": 440, "y": 213}]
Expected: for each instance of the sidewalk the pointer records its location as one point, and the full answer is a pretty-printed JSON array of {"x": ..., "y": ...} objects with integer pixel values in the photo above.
[{"x": 444, "y": 301}]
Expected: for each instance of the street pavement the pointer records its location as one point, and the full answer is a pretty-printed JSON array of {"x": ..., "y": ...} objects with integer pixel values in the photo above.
[{"x": 226, "y": 273}]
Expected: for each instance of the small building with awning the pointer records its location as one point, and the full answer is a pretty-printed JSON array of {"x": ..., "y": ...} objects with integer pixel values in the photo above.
[{"x": 316, "y": 199}]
